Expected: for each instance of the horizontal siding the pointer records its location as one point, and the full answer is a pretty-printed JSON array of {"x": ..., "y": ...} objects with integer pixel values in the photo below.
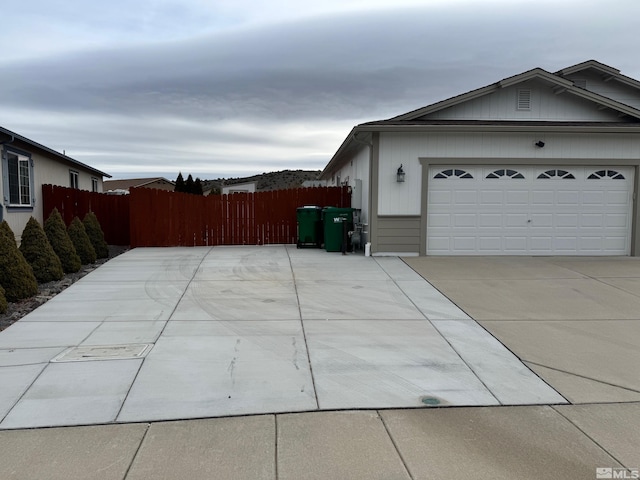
[{"x": 398, "y": 234}]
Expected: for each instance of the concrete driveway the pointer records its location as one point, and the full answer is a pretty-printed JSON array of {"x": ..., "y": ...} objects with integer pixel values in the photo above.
[
  {"x": 362, "y": 328},
  {"x": 175, "y": 333},
  {"x": 573, "y": 320}
]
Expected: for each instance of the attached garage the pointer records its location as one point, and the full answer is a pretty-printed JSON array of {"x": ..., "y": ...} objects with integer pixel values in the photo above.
[
  {"x": 529, "y": 210},
  {"x": 539, "y": 163}
]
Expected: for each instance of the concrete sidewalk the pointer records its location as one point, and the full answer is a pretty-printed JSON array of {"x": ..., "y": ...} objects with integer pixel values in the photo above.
[
  {"x": 501, "y": 443},
  {"x": 591, "y": 361}
]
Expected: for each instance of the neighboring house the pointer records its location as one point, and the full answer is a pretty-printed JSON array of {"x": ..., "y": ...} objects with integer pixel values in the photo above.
[
  {"x": 26, "y": 166},
  {"x": 536, "y": 164},
  {"x": 249, "y": 187},
  {"x": 314, "y": 183},
  {"x": 123, "y": 186}
]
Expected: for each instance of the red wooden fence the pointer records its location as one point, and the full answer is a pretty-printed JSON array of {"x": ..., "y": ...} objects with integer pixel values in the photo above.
[
  {"x": 161, "y": 218},
  {"x": 112, "y": 210},
  {"x": 148, "y": 217}
]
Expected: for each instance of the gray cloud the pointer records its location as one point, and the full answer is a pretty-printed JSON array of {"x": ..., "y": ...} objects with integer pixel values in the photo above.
[{"x": 221, "y": 99}]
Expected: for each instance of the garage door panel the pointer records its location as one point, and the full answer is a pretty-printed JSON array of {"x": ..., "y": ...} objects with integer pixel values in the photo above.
[
  {"x": 555, "y": 214},
  {"x": 591, "y": 243},
  {"x": 515, "y": 197},
  {"x": 541, "y": 220},
  {"x": 466, "y": 197},
  {"x": 440, "y": 197},
  {"x": 565, "y": 244},
  {"x": 464, "y": 244},
  {"x": 542, "y": 197},
  {"x": 465, "y": 220},
  {"x": 515, "y": 244},
  {"x": 490, "y": 220},
  {"x": 541, "y": 244},
  {"x": 439, "y": 220},
  {"x": 518, "y": 220},
  {"x": 588, "y": 220},
  {"x": 614, "y": 243},
  {"x": 617, "y": 198},
  {"x": 613, "y": 220},
  {"x": 566, "y": 220},
  {"x": 591, "y": 197},
  {"x": 568, "y": 197},
  {"x": 439, "y": 245},
  {"x": 491, "y": 197},
  {"x": 489, "y": 245}
]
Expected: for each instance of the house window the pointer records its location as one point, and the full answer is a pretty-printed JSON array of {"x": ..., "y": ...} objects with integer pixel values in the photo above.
[
  {"x": 73, "y": 179},
  {"x": 604, "y": 174},
  {"x": 524, "y": 99},
  {"x": 94, "y": 184},
  {"x": 505, "y": 173},
  {"x": 18, "y": 180},
  {"x": 556, "y": 174},
  {"x": 453, "y": 172}
]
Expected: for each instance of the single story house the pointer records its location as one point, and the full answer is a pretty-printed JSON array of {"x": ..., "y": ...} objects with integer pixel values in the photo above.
[
  {"x": 248, "y": 187},
  {"x": 539, "y": 163},
  {"x": 123, "y": 185},
  {"x": 26, "y": 166}
]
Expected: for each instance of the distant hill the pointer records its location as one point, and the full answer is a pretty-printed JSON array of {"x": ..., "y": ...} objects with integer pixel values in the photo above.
[{"x": 267, "y": 181}]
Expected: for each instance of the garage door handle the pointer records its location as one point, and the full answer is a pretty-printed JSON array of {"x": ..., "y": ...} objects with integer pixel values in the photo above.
[{"x": 528, "y": 221}]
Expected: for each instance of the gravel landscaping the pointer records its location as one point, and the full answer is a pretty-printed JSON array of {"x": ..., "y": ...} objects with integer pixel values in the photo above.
[{"x": 46, "y": 291}]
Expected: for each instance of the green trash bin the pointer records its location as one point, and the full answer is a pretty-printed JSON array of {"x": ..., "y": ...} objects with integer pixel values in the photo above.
[
  {"x": 309, "y": 226},
  {"x": 337, "y": 223}
]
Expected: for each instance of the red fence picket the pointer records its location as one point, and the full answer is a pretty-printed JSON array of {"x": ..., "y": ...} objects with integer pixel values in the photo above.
[
  {"x": 148, "y": 217},
  {"x": 161, "y": 218},
  {"x": 112, "y": 210}
]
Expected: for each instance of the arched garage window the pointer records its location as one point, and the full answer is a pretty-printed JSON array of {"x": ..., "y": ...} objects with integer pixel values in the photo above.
[
  {"x": 557, "y": 174},
  {"x": 505, "y": 173},
  {"x": 453, "y": 172},
  {"x": 606, "y": 174}
]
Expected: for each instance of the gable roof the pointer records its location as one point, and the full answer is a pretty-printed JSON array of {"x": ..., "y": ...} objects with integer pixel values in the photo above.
[
  {"x": 558, "y": 83},
  {"x": 413, "y": 121},
  {"x": 60, "y": 156},
  {"x": 607, "y": 72},
  {"x": 126, "y": 184}
]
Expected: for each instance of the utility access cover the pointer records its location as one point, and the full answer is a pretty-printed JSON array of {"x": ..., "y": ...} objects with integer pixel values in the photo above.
[{"x": 104, "y": 352}]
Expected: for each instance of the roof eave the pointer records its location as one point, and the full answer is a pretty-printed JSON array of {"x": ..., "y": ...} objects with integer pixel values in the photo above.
[
  {"x": 348, "y": 143},
  {"x": 551, "y": 127},
  {"x": 53, "y": 152},
  {"x": 480, "y": 92},
  {"x": 589, "y": 64}
]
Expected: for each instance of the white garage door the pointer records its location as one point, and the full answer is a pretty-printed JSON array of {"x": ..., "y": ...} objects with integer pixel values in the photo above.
[{"x": 529, "y": 210}]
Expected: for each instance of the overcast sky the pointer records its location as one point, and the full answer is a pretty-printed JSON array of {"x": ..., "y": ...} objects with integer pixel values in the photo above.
[{"x": 225, "y": 88}]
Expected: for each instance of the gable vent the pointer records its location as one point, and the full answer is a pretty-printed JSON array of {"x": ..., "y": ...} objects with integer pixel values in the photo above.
[{"x": 524, "y": 100}]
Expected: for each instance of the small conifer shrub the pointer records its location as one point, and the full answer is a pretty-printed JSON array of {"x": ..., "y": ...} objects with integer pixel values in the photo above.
[
  {"x": 3, "y": 301},
  {"x": 81, "y": 241},
  {"x": 96, "y": 235},
  {"x": 16, "y": 275},
  {"x": 6, "y": 230},
  {"x": 37, "y": 250},
  {"x": 59, "y": 239}
]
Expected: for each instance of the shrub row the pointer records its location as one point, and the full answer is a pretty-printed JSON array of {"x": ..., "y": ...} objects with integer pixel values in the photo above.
[{"x": 46, "y": 254}]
